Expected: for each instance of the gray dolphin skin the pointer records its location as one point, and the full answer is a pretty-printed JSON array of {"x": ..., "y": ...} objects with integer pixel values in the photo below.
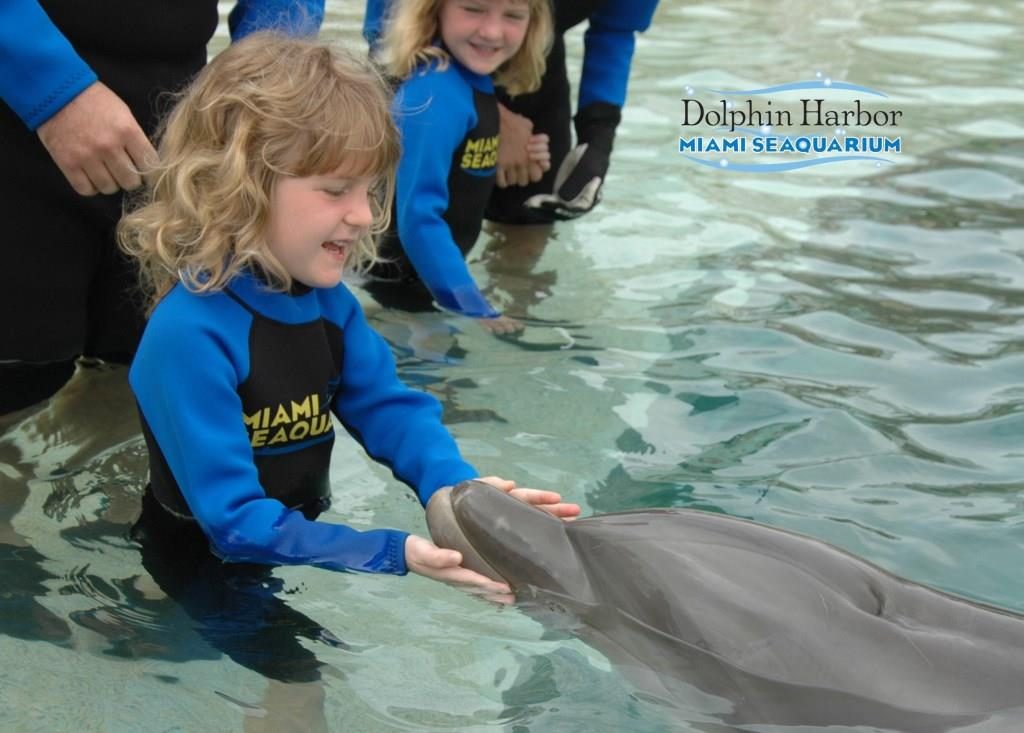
[{"x": 752, "y": 624}]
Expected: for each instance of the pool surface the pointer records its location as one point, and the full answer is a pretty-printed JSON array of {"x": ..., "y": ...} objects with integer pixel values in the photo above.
[{"x": 837, "y": 350}]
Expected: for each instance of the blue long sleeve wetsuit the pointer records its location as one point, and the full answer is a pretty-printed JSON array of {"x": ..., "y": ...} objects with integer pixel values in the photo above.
[
  {"x": 448, "y": 121},
  {"x": 608, "y": 45},
  {"x": 236, "y": 391},
  {"x": 40, "y": 70}
]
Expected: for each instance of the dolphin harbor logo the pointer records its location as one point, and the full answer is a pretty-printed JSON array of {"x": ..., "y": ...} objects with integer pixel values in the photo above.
[{"x": 789, "y": 126}]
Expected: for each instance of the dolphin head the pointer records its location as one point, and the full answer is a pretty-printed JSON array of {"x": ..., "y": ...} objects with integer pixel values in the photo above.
[{"x": 506, "y": 539}]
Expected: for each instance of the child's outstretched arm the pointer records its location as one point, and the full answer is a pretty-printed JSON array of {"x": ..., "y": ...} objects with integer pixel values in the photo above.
[
  {"x": 433, "y": 115},
  {"x": 397, "y": 426},
  {"x": 401, "y": 427},
  {"x": 186, "y": 378}
]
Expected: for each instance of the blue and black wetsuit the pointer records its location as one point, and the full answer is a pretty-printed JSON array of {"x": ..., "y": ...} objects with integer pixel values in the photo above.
[
  {"x": 63, "y": 273},
  {"x": 236, "y": 391},
  {"x": 609, "y": 42},
  {"x": 448, "y": 120}
]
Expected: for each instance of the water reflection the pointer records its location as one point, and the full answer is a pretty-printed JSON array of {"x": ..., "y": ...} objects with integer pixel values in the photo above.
[{"x": 59, "y": 456}]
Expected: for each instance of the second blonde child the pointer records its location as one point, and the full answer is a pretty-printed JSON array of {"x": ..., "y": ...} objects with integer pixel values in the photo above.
[{"x": 449, "y": 54}]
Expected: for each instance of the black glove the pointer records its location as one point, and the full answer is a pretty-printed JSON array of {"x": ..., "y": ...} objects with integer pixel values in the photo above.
[{"x": 578, "y": 182}]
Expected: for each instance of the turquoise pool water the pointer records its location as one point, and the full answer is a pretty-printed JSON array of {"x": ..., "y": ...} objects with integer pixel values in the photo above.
[{"x": 837, "y": 350}]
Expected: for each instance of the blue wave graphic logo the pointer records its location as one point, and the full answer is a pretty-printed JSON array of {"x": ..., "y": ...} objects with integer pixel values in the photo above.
[
  {"x": 796, "y": 85},
  {"x": 724, "y": 164}
]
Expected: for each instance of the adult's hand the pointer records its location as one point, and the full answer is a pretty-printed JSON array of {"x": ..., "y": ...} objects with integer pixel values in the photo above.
[
  {"x": 516, "y": 141},
  {"x": 97, "y": 143}
]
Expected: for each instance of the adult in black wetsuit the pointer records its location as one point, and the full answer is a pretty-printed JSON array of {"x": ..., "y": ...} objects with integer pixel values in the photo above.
[{"x": 81, "y": 86}]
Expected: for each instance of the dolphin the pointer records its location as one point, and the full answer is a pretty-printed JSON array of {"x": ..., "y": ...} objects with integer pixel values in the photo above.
[{"x": 753, "y": 624}]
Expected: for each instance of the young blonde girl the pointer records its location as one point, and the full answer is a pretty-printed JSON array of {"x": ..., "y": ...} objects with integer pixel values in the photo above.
[
  {"x": 449, "y": 54},
  {"x": 276, "y": 167}
]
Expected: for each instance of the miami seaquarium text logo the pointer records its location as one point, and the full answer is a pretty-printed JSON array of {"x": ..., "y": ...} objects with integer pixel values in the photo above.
[{"x": 762, "y": 135}]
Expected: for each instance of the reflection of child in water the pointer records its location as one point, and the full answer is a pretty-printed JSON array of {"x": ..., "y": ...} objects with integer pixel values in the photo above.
[
  {"x": 445, "y": 51},
  {"x": 275, "y": 166}
]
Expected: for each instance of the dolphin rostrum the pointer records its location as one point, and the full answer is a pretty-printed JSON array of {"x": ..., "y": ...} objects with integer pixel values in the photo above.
[{"x": 778, "y": 627}]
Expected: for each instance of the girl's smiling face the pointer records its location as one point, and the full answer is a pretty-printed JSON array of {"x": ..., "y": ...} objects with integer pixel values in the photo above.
[
  {"x": 315, "y": 223},
  {"x": 483, "y": 34}
]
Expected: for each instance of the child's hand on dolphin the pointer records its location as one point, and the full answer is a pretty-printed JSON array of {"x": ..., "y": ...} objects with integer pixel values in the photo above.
[
  {"x": 425, "y": 558},
  {"x": 548, "y": 501}
]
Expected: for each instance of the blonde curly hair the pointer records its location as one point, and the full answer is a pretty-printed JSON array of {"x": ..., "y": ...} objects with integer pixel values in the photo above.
[
  {"x": 411, "y": 29},
  {"x": 265, "y": 108}
]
